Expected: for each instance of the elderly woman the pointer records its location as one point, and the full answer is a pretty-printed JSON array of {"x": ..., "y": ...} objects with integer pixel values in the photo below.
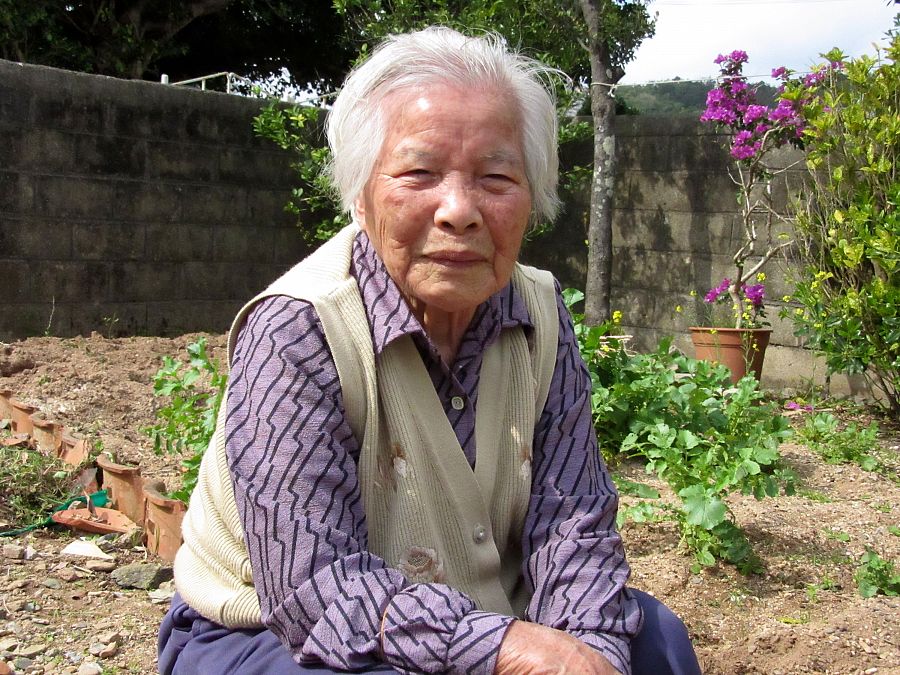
[{"x": 404, "y": 476}]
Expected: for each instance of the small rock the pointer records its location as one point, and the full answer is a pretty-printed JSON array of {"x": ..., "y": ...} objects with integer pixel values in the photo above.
[
  {"x": 19, "y": 583},
  {"x": 100, "y": 565},
  {"x": 110, "y": 637},
  {"x": 67, "y": 574},
  {"x": 32, "y": 651},
  {"x": 21, "y": 663},
  {"x": 9, "y": 644},
  {"x": 89, "y": 668},
  {"x": 96, "y": 648},
  {"x": 163, "y": 594},
  {"x": 13, "y": 551},
  {"x": 16, "y": 605},
  {"x": 31, "y": 607},
  {"x": 73, "y": 657},
  {"x": 129, "y": 539},
  {"x": 141, "y": 575},
  {"x": 52, "y": 583},
  {"x": 108, "y": 651},
  {"x": 30, "y": 553},
  {"x": 40, "y": 622},
  {"x": 5, "y": 669}
]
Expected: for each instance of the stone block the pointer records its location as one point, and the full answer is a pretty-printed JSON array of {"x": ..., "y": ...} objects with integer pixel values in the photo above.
[
  {"x": 675, "y": 231},
  {"x": 153, "y": 201},
  {"x": 141, "y": 281},
  {"x": 108, "y": 241},
  {"x": 214, "y": 205},
  {"x": 181, "y": 161},
  {"x": 685, "y": 191},
  {"x": 242, "y": 244},
  {"x": 177, "y": 318},
  {"x": 265, "y": 208},
  {"x": 15, "y": 102},
  {"x": 19, "y": 320},
  {"x": 111, "y": 319},
  {"x": 16, "y": 193},
  {"x": 70, "y": 281},
  {"x": 174, "y": 243},
  {"x": 15, "y": 281},
  {"x": 35, "y": 239},
  {"x": 288, "y": 246},
  {"x": 68, "y": 109},
  {"x": 109, "y": 156},
  {"x": 220, "y": 281},
  {"x": 256, "y": 167},
  {"x": 72, "y": 197}
]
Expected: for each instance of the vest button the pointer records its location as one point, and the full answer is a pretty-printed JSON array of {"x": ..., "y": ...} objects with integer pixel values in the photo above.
[
  {"x": 479, "y": 534},
  {"x": 457, "y": 403}
]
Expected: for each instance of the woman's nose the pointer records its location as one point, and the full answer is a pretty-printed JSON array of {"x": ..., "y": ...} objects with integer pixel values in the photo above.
[{"x": 458, "y": 208}]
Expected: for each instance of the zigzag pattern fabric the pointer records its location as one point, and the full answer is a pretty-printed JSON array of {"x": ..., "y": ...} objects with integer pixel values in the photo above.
[{"x": 294, "y": 460}]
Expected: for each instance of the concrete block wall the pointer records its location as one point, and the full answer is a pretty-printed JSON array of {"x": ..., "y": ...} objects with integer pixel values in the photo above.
[
  {"x": 676, "y": 225},
  {"x": 133, "y": 207}
]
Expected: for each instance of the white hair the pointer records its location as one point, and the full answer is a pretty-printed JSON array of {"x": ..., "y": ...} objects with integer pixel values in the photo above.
[{"x": 356, "y": 127}]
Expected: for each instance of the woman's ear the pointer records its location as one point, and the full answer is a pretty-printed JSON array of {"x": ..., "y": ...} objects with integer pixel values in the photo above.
[{"x": 359, "y": 212}]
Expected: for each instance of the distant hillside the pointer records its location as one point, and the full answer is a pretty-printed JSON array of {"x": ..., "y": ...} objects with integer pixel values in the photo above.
[{"x": 681, "y": 97}]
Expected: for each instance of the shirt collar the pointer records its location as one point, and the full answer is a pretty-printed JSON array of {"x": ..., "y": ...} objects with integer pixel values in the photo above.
[{"x": 391, "y": 318}]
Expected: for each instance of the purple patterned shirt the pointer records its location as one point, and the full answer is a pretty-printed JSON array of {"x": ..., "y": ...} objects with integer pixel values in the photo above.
[{"x": 294, "y": 459}]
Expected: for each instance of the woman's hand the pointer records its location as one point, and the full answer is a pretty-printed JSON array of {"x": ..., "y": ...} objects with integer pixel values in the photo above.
[{"x": 533, "y": 649}]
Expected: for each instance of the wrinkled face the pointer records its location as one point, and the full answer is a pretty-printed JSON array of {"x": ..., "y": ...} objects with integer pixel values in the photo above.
[{"x": 448, "y": 201}]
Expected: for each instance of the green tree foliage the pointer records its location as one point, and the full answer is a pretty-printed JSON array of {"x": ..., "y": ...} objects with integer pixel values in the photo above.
[
  {"x": 848, "y": 219},
  {"x": 184, "y": 38},
  {"x": 679, "y": 97}
]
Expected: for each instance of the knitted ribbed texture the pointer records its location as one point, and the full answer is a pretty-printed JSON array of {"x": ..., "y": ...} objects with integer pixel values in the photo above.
[{"x": 427, "y": 512}]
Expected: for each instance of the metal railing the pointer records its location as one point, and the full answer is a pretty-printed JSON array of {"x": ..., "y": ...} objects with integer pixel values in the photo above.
[{"x": 230, "y": 80}]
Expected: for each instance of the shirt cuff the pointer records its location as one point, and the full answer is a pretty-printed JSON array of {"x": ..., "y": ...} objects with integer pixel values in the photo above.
[
  {"x": 615, "y": 648},
  {"x": 435, "y": 628}
]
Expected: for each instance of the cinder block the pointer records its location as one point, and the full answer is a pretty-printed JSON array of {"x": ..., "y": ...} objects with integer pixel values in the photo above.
[
  {"x": 16, "y": 194},
  {"x": 109, "y": 156},
  {"x": 288, "y": 246},
  {"x": 108, "y": 241},
  {"x": 176, "y": 243},
  {"x": 177, "y": 318},
  {"x": 265, "y": 208},
  {"x": 256, "y": 167},
  {"x": 111, "y": 319},
  {"x": 34, "y": 239},
  {"x": 181, "y": 161},
  {"x": 70, "y": 281},
  {"x": 15, "y": 281},
  {"x": 215, "y": 205},
  {"x": 25, "y": 320},
  {"x": 141, "y": 281},
  {"x": 242, "y": 244},
  {"x": 149, "y": 201},
  {"x": 71, "y": 197}
]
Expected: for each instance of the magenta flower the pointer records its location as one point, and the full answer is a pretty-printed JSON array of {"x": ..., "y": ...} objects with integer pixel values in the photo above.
[
  {"x": 778, "y": 73},
  {"x": 754, "y": 112},
  {"x": 715, "y": 293},
  {"x": 755, "y": 294}
]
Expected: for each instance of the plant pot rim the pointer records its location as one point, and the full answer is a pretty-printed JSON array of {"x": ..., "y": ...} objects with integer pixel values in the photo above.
[{"x": 709, "y": 329}]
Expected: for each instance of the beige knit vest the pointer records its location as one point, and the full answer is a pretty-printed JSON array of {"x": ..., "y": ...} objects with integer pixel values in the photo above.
[{"x": 428, "y": 513}]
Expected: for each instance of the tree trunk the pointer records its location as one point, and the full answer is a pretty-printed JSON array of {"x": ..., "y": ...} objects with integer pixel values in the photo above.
[{"x": 603, "y": 110}]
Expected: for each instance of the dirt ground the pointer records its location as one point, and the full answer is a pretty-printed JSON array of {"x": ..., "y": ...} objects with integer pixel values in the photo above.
[{"x": 803, "y": 615}]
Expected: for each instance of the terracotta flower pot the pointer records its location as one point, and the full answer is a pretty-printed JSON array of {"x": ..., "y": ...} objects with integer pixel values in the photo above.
[
  {"x": 162, "y": 521},
  {"x": 6, "y": 408},
  {"x": 21, "y": 417},
  {"x": 124, "y": 487},
  {"x": 74, "y": 450},
  {"x": 47, "y": 435},
  {"x": 742, "y": 350}
]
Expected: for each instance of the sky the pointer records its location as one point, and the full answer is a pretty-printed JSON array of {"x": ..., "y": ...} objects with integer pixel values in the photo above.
[{"x": 791, "y": 33}]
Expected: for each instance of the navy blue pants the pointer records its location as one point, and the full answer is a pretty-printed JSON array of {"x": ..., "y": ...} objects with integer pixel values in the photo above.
[{"x": 192, "y": 645}]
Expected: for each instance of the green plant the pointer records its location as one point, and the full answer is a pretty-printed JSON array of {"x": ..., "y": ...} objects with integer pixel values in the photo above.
[
  {"x": 704, "y": 436},
  {"x": 186, "y": 423},
  {"x": 821, "y": 433},
  {"x": 876, "y": 575},
  {"x": 894, "y": 530},
  {"x": 297, "y": 129},
  {"x": 847, "y": 219},
  {"x": 33, "y": 483}
]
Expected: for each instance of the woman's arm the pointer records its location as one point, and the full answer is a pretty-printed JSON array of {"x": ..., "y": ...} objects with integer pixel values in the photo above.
[
  {"x": 573, "y": 554},
  {"x": 293, "y": 462}
]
